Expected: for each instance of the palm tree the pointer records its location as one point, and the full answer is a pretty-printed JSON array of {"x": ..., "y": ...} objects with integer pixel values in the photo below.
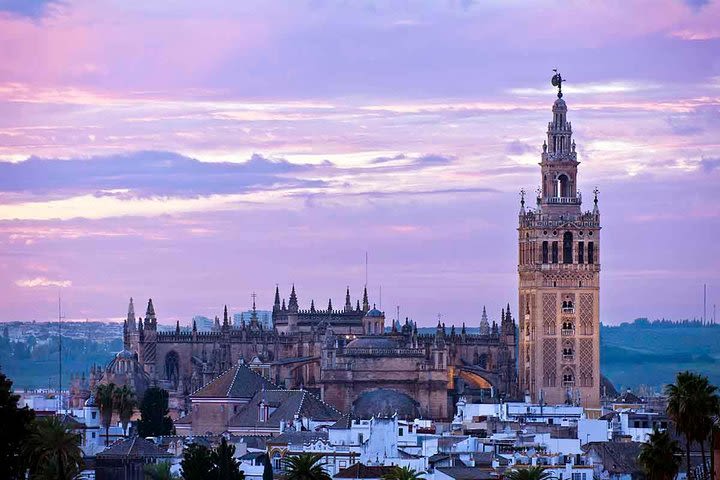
[
  {"x": 124, "y": 401},
  {"x": 306, "y": 466},
  {"x": 158, "y": 471},
  {"x": 403, "y": 473},
  {"x": 54, "y": 451},
  {"x": 530, "y": 473},
  {"x": 692, "y": 404},
  {"x": 105, "y": 398},
  {"x": 659, "y": 456}
]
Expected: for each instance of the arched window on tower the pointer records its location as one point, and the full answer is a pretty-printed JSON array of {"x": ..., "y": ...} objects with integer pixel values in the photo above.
[
  {"x": 568, "y": 378},
  {"x": 567, "y": 247},
  {"x": 581, "y": 252},
  {"x": 554, "y": 252},
  {"x": 545, "y": 252},
  {"x": 591, "y": 252},
  {"x": 563, "y": 185}
]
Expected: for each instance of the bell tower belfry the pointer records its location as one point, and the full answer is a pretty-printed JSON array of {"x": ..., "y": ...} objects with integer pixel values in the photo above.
[{"x": 559, "y": 278}]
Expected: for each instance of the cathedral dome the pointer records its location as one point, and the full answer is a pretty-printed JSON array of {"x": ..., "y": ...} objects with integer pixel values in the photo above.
[
  {"x": 384, "y": 402},
  {"x": 559, "y": 105},
  {"x": 374, "y": 313},
  {"x": 371, "y": 342},
  {"x": 125, "y": 354}
]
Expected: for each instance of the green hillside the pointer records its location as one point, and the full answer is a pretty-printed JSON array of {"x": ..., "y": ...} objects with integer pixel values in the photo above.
[{"x": 651, "y": 354}]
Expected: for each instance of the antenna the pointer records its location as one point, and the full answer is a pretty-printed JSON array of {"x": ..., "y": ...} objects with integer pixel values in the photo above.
[
  {"x": 704, "y": 303},
  {"x": 366, "y": 269},
  {"x": 380, "y": 297},
  {"x": 60, "y": 317}
]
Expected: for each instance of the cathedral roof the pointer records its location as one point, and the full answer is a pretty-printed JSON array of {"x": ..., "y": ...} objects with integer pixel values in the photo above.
[
  {"x": 371, "y": 342},
  {"x": 134, "y": 447},
  {"x": 374, "y": 313},
  {"x": 283, "y": 405},
  {"x": 384, "y": 403},
  {"x": 236, "y": 382}
]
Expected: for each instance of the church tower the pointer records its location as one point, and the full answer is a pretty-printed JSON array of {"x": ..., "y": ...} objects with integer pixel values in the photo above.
[{"x": 559, "y": 278}]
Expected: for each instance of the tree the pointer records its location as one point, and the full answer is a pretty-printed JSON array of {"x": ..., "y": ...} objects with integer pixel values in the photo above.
[
  {"x": 692, "y": 404},
  {"x": 225, "y": 467},
  {"x": 154, "y": 421},
  {"x": 267, "y": 468},
  {"x": 105, "y": 399},
  {"x": 530, "y": 473},
  {"x": 196, "y": 462},
  {"x": 403, "y": 473},
  {"x": 659, "y": 456},
  {"x": 158, "y": 471},
  {"x": 306, "y": 466},
  {"x": 124, "y": 401},
  {"x": 54, "y": 451},
  {"x": 16, "y": 427}
]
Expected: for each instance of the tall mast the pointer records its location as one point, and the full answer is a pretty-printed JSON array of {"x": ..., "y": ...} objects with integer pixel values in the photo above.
[{"x": 59, "y": 353}]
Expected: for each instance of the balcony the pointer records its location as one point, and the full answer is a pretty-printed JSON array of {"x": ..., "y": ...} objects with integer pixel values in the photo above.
[
  {"x": 568, "y": 384},
  {"x": 568, "y": 358},
  {"x": 564, "y": 200},
  {"x": 567, "y": 332},
  {"x": 568, "y": 310}
]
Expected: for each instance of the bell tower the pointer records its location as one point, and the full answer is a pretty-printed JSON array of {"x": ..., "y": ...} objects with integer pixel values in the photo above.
[{"x": 559, "y": 278}]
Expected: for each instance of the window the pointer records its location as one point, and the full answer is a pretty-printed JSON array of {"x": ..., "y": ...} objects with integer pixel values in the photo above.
[
  {"x": 581, "y": 252},
  {"x": 545, "y": 252},
  {"x": 94, "y": 415},
  {"x": 591, "y": 252},
  {"x": 554, "y": 252},
  {"x": 93, "y": 434},
  {"x": 567, "y": 247},
  {"x": 400, "y": 432}
]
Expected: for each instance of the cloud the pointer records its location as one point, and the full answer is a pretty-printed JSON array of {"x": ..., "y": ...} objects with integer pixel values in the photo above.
[
  {"x": 710, "y": 164},
  {"x": 42, "y": 282},
  {"x": 516, "y": 147},
  {"x": 28, "y": 8},
  {"x": 696, "y": 4},
  {"x": 148, "y": 174}
]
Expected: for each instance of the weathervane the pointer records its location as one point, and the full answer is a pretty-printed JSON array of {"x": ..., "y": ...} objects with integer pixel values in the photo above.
[
  {"x": 557, "y": 81},
  {"x": 522, "y": 197}
]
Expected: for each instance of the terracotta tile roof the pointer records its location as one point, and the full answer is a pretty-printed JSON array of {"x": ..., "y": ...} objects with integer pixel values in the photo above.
[
  {"x": 616, "y": 457},
  {"x": 467, "y": 473},
  {"x": 236, "y": 382},
  {"x": 283, "y": 405},
  {"x": 133, "y": 447},
  {"x": 360, "y": 470}
]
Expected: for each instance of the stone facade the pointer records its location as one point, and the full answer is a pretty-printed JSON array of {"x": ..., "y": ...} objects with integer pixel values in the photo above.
[
  {"x": 308, "y": 349},
  {"x": 559, "y": 273}
]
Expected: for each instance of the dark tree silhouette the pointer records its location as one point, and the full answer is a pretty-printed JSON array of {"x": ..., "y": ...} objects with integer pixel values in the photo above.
[
  {"x": 225, "y": 466},
  {"x": 16, "y": 427},
  {"x": 154, "y": 421},
  {"x": 197, "y": 462}
]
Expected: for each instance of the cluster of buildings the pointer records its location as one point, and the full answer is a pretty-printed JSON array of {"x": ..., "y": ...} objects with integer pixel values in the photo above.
[{"x": 368, "y": 396}]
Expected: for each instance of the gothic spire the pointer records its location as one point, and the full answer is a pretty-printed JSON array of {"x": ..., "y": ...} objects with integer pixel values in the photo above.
[
  {"x": 312, "y": 306},
  {"x": 225, "y": 317},
  {"x": 276, "y": 305},
  {"x": 366, "y": 303},
  {"x": 329, "y": 305},
  {"x": 484, "y": 324},
  {"x": 150, "y": 312},
  {"x": 177, "y": 327},
  {"x": 348, "y": 304},
  {"x": 293, "y": 303},
  {"x": 131, "y": 316}
]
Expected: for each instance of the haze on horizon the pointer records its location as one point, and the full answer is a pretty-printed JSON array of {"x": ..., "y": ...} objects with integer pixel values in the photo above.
[{"x": 197, "y": 153}]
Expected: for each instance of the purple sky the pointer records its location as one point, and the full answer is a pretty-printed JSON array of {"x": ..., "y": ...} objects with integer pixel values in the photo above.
[{"x": 198, "y": 152}]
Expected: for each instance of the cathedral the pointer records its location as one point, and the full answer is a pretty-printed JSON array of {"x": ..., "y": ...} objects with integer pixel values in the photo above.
[
  {"x": 350, "y": 359},
  {"x": 339, "y": 354}
]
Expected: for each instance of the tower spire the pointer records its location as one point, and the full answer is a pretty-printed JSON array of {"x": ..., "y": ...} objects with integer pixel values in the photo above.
[
  {"x": 293, "y": 303},
  {"x": 484, "y": 324},
  {"x": 131, "y": 317},
  {"x": 366, "y": 303},
  {"x": 348, "y": 304},
  {"x": 276, "y": 305}
]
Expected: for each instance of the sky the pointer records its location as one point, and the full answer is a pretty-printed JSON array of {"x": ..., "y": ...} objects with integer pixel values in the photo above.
[{"x": 197, "y": 152}]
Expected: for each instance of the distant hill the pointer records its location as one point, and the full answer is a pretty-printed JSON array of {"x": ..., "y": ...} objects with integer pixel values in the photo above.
[{"x": 643, "y": 353}]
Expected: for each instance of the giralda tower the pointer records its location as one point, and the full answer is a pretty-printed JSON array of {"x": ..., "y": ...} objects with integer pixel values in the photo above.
[{"x": 559, "y": 278}]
